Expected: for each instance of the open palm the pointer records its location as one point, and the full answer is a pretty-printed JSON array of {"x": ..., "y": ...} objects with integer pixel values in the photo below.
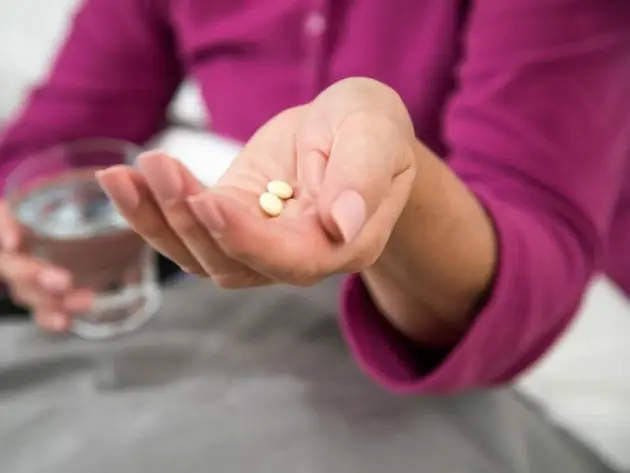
[
  {"x": 221, "y": 231},
  {"x": 271, "y": 247},
  {"x": 351, "y": 173}
]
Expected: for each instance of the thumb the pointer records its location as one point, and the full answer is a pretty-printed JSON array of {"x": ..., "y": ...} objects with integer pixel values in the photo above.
[
  {"x": 9, "y": 230},
  {"x": 368, "y": 156}
]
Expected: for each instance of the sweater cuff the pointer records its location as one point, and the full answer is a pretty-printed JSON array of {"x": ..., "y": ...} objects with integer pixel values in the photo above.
[{"x": 482, "y": 357}]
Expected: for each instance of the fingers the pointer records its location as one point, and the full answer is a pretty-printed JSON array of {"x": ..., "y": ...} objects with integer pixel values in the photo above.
[
  {"x": 130, "y": 194},
  {"x": 278, "y": 248},
  {"x": 25, "y": 271},
  {"x": 34, "y": 296},
  {"x": 153, "y": 202},
  {"x": 368, "y": 154},
  {"x": 58, "y": 315},
  {"x": 172, "y": 183},
  {"x": 52, "y": 321},
  {"x": 46, "y": 290},
  {"x": 168, "y": 179},
  {"x": 9, "y": 231},
  {"x": 35, "y": 284}
]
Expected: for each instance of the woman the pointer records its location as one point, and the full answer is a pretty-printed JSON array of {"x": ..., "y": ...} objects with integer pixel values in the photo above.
[{"x": 471, "y": 186}]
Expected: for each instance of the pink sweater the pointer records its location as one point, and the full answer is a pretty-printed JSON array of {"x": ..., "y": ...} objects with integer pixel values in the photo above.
[{"x": 527, "y": 100}]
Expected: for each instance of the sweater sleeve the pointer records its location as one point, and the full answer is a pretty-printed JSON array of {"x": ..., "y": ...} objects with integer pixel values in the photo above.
[
  {"x": 113, "y": 77},
  {"x": 539, "y": 130}
]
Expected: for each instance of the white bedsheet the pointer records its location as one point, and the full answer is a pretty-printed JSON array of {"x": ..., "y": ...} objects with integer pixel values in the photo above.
[{"x": 583, "y": 383}]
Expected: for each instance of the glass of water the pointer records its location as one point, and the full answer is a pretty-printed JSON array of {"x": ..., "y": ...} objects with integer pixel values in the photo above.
[{"x": 67, "y": 220}]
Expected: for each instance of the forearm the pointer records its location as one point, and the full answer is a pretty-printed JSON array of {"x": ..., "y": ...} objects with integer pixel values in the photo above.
[
  {"x": 440, "y": 258},
  {"x": 543, "y": 154}
]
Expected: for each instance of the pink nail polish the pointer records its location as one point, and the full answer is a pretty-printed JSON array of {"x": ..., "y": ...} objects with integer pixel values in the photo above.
[
  {"x": 57, "y": 322},
  {"x": 78, "y": 302},
  {"x": 163, "y": 177},
  {"x": 119, "y": 187},
  {"x": 349, "y": 213},
  {"x": 54, "y": 281}
]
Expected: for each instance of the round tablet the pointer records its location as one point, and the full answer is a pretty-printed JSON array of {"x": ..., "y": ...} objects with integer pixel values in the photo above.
[
  {"x": 271, "y": 204},
  {"x": 280, "y": 189}
]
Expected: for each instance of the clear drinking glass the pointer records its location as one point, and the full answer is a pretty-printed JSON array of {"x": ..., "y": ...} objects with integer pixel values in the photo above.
[{"x": 68, "y": 221}]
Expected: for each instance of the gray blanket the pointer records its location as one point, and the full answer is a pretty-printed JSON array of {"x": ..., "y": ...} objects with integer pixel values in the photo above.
[{"x": 250, "y": 381}]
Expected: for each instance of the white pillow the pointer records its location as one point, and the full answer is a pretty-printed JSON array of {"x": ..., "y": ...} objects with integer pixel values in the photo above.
[
  {"x": 188, "y": 107},
  {"x": 206, "y": 155}
]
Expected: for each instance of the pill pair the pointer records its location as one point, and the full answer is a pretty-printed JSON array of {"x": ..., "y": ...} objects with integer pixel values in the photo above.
[{"x": 271, "y": 202}]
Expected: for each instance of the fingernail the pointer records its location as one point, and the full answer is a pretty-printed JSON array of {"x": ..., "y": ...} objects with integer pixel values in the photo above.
[
  {"x": 59, "y": 323},
  {"x": 208, "y": 215},
  {"x": 119, "y": 187},
  {"x": 162, "y": 175},
  {"x": 349, "y": 213},
  {"x": 79, "y": 302},
  {"x": 55, "y": 322},
  {"x": 54, "y": 280}
]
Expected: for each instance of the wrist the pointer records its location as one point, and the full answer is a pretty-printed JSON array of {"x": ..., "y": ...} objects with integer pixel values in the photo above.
[{"x": 438, "y": 263}]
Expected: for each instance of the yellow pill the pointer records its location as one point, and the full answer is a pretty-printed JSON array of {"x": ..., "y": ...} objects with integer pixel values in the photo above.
[
  {"x": 280, "y": 189},
  {"x": 271, "y": 204}
]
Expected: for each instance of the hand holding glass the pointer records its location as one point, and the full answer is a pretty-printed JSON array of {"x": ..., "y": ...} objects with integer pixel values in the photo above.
[{"x": 67, "y": 220}]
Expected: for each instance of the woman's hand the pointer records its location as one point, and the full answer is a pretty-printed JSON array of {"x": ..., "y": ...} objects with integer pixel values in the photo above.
[
  {"x": 45, "y": 289},
  {"x": 349, "y": 156}
]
